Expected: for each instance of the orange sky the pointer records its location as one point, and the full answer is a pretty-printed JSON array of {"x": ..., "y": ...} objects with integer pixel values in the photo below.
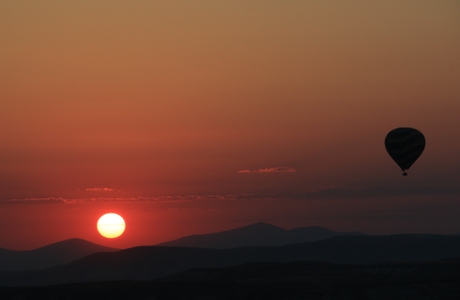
[{"x": 161, "y": 101}]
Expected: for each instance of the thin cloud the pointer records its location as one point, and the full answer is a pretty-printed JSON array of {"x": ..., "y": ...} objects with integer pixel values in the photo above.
[
  {"x": 326, "y": 193},
  {"x": 270, "y": 170},
  {"x": 253, "y": 196},
  {"x": 189, "y": 198},
  {"x": 48, "y": 200},
  {"x": 57, "y": 200},
  {"x": 345, "y": 193},
  {"x": 100, "y": 190},
  {"x": 276, "y": 169}
]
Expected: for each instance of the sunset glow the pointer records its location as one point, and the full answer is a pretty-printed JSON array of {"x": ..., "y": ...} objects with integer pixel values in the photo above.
[
  {"x": 192, "y": 117},
  {"x": 111, "y": 225}
]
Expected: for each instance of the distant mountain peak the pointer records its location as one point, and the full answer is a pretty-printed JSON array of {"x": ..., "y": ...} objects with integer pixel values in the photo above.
[
  {"x": 260, "y": 225},
  {"x": 73, "y": 243}
]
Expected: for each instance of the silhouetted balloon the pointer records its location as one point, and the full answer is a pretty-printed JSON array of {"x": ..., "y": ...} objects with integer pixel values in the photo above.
[{"x": 405, "y": 145}]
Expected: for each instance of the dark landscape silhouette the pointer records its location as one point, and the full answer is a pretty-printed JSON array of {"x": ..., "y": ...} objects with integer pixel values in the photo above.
[
  {"x": 325, "y": 265},
  {"x": 153, "y": 262},
  {"x": 258, "y": 234},
  {"x": 292, "y": 280}
]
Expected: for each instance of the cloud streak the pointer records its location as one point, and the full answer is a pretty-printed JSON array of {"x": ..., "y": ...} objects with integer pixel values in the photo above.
[
  {"x": 270, "y": 170},
  {"x": 189, "y": 198},
  {"x": 58, "y": 200},
  {"x": 100, "y": 190},
  {"x": 321, "y": 194},
  {"x": 345, "y": 193}
]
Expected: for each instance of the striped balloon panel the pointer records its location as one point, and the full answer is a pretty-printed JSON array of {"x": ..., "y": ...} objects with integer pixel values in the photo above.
[{"x": 405, "y": 145}]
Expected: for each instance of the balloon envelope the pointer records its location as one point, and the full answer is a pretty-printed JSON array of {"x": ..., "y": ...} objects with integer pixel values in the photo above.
[{"x": 405, "y": 145}]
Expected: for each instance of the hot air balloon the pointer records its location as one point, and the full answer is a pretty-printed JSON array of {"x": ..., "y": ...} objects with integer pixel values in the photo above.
[{"x": 405, "y": 145}]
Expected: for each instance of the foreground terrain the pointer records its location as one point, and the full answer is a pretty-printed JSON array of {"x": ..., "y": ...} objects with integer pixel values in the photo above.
[{"x": 294, "y": 280}]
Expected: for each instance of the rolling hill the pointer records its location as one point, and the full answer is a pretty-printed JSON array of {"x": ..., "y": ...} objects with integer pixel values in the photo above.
[
  {"x": 58, "y": 253},
  {"x": 150, "y": 262},
  {"x": 258, "y": 234}
]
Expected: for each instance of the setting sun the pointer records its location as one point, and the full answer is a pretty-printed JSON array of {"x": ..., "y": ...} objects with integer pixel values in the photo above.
[{"x": 111, "y": 225}]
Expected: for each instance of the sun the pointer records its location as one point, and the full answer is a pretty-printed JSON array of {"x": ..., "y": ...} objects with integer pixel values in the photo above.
[{"x": 111, "y": 225}]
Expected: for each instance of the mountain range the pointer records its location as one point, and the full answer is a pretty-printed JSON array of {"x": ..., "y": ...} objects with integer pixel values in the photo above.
[
  {"x": 258, "y": 234},
  {"x": 76, "y": 260},
  {"x": 151, "y": 262}
]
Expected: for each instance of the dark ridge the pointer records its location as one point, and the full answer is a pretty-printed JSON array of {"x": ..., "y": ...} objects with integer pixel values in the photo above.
[
  {"x": 151, "y": 262},
  {"x": 258, "y": 234}
]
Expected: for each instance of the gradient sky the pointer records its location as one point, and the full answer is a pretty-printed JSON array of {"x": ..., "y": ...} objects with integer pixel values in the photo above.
[{"x": 190, "y": 117}]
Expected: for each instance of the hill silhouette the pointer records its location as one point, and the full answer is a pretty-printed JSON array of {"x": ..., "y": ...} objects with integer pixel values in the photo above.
[
  {"x": 58, "y": 253},
  {"x": 150, "y": 262},
  {"x": 258, "y": 234}
]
